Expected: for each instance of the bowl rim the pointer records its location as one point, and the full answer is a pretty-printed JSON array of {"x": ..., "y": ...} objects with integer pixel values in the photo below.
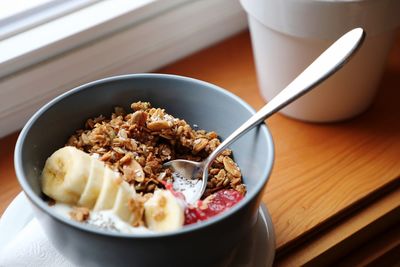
[{"x": 39, "y": 203}]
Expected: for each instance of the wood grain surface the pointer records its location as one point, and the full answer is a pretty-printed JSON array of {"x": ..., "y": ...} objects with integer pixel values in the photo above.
[
  {"x": 322, "y": 172},
  {"x": 343, "y": 238},
  {"x": 9, "y": 187}
]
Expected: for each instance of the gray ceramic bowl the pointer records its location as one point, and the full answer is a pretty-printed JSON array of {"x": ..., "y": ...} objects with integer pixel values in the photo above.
[{"x": 198, "y": 102}]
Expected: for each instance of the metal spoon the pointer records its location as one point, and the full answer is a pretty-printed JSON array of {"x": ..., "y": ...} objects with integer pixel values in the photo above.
[{"x": 191, "y": 177}]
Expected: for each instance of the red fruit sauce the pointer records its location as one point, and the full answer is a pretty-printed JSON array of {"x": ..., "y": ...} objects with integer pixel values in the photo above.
[
  {"x": 215, "y": 204},
  {"x": 211, "y": 206}
]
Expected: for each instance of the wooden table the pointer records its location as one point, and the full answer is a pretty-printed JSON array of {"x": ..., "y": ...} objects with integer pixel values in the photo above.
[{"x": 333, "y": 187}]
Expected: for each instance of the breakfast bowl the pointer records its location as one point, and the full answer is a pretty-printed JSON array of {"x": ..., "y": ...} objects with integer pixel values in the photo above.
[{"x": 199, "y": 103}]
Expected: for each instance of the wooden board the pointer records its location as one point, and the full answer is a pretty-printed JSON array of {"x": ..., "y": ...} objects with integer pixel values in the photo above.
[{"x": 9, "y": 187}]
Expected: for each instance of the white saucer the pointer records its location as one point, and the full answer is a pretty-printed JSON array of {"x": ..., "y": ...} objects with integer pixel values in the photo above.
[{"x": 256, "y": 250}]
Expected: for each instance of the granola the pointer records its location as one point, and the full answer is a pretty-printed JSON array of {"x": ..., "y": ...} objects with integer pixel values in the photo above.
[
  {"x": 80, "y": 214},
  {"x": 137, "y": 144}
]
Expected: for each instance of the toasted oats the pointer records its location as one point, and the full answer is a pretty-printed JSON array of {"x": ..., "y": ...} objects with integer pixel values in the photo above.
[
  {"x": 226, "y": 182},
  {"x": 140, "y": 106},
  {"x": 159, "y": 125},
  {"x": 221, "y": 175},
  {"x": 241, "y": 188},
  {"x": 212, "y": 135},
  {"x": 226, "y": 152},
  {"x": 139, "y": 118},
  {"x": 199, "y": 144},
  {"x": 137, "y": 144},
  {"x": 231, "y": 167},
  {"x": 106, "y": 156},
  {"x": 133, "y": 171},
  {"x": 235, "y": 182},
  {"x": 213, "y": 171},
  {"x": 80, "y": 214},
  {"x": 126, "y": 159}
]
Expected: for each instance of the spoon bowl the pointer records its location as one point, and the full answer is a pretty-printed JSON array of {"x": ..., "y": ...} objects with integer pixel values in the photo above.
[{"x": 187, "y": 176}]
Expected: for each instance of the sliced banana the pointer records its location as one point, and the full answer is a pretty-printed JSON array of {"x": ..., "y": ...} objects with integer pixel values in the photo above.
[
  {"x": 94, "y": 185},
  {"x": 163, "y": 212},
  {"x": 65, "y": 174},
  {"x": 111, "y": 183},
  {"x": 73, "y": 177},
  {"x": 122, "y": 207}
]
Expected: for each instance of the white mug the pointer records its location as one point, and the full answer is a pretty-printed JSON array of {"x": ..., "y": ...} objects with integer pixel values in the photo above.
[{"x": 288, "y": 35}]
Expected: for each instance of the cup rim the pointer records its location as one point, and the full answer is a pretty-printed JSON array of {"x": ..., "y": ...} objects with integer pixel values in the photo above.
[
  {"x": 39, "y": 203},
  {"x": 298, "y": 18}
]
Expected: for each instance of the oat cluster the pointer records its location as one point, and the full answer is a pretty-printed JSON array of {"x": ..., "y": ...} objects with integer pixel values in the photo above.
[
  {"x": 137, "y": 144},
  {"x": 80, "y": 214}
]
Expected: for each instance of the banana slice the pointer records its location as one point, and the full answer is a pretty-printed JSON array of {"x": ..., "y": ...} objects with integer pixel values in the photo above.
[
  {"x": 111, "y": 183},
  {"x": 65, "y": 174},
  {"x": 122, "y": 207},
  {"x": 163, "y": 212},
  {"x": 94, "y": 184}
]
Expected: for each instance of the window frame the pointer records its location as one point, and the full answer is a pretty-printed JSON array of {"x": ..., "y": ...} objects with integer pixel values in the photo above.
[
  {"x": 35, "y": 16},
  {"x": 64, "y": 33}
]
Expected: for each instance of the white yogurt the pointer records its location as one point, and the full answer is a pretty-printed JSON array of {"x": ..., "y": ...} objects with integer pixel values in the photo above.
[
  {"x": 105, "y": 219},
  {"x": 187, "y": 187}
]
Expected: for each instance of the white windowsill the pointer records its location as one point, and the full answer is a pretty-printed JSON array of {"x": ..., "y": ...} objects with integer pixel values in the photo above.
[
  {"x": 72, "y": 30},
  {"x": 22, "y": 15},
  {"x": 162, "y": 32}
]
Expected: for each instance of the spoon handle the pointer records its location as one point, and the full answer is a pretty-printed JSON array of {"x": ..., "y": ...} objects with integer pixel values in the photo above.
[{"x": 331, "y": 60}]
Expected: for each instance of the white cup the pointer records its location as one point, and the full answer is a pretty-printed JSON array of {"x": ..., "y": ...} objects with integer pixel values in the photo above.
[{"x": 288, "y": 35}]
